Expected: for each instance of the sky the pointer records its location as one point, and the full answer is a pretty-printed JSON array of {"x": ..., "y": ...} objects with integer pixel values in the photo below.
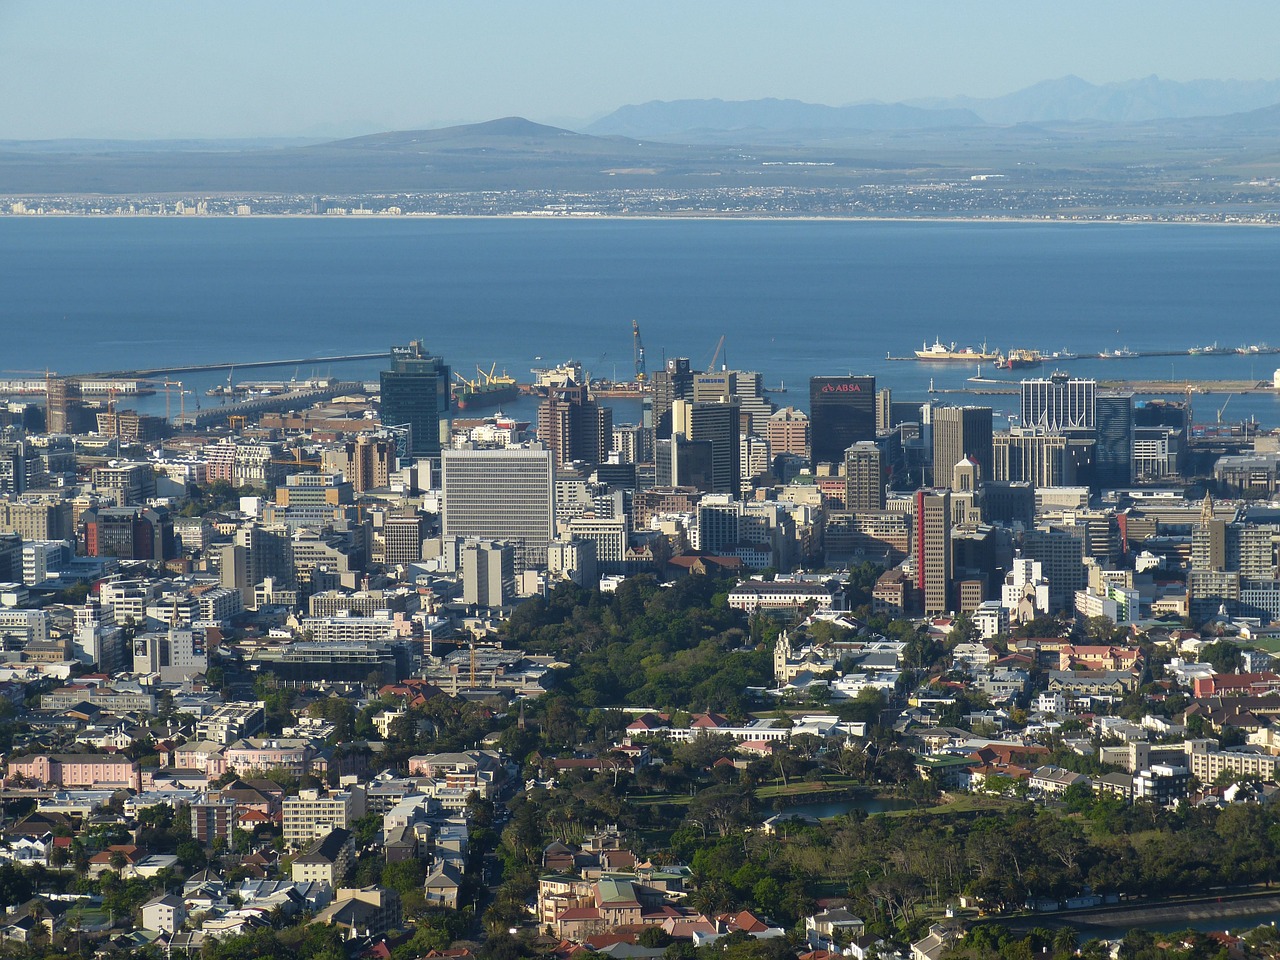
[{"x": 311, "y": 68}]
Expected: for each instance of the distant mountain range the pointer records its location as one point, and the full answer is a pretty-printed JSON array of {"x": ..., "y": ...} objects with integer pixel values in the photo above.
[
  {"x": 660, "y": 119},
  {"x": 1055, "y": 136},
  {"x": 1128, "y": 101},
  {"x": 1068, "y": 99}
]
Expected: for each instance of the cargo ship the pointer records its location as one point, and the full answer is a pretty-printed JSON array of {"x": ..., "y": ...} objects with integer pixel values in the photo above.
[
  {"x": 487, "y": 388},
  {"x": 1022, "y": 358},
  {"x": 940, "y": 351}
]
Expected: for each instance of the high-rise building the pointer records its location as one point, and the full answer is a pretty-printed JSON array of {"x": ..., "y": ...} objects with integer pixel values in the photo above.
[
  {"x": 960, "y": 432},
  {"x": 64, "y": 411},
  {"x": 717, "y": 423},
  {"x": 1061, "y": 555},
  {"x": 842, "y": 411},
  {"x": 669, "y": 385},
  {"x": 1059, "y": 403},
  {"x": 128, "y": 533},
  {"x": 933, "y": 549},
  {"x": 573, "y": 426},
  {"x": 864, "y": 477},
  {"x": 1113, "y": 455},
  {"x": 788, "y": 432},
  {"x": 680, "y": 462},
  {"x": 415, "y": 391},
  {"x": 402, "y": 536},
  {"x": 884, "y": 409},
  {"x": 1031, "y": 455},
  {"x": 367, "y": 462},
  {"x": 506, "y": 494},
  {"x": 488, "y": 573}
]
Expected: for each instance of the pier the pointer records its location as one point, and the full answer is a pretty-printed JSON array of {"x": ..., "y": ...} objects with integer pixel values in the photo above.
[
  {"x": 296, "y": 399},
  {"x": 1172, "y": 388},
  {"x": 234, "y": 365}
]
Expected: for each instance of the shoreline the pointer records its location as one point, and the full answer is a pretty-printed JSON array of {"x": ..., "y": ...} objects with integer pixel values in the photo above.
[{"x": 677, "y": 217}]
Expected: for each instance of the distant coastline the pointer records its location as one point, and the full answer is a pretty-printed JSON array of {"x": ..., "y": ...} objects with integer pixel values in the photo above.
[{"x": 1111, "y": 220}]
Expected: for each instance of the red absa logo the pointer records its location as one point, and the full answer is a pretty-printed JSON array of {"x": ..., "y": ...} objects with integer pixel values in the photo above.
[{"x": 842, "y": 388}]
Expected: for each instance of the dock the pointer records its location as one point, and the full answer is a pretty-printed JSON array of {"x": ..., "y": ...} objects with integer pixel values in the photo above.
[
  {"x": 293, "y": 400},
  {"x": 235, "y": 365}
]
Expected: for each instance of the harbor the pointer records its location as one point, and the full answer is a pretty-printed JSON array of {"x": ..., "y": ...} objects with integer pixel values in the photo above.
[{"x": 1020, "y": 357}]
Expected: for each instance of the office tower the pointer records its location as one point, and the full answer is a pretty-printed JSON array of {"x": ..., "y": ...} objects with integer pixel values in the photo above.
[
  {"x": 609, "y": 537},
  {"x": 632, "y": 443},
  {"x": 788, "y": 432},
  {"x": 718, "y": 424},
  {"x": 506, "y": 494},
  {"x": 367, "y": 462},
  {"x": 402, "y": 537},
  {"x": 960, "y": 432},
  {"x": 311, "y": 500},
  {"x": 1061, "y": 555},
  {"x": 1059, "y": 403},
  {"x": 713, "y": 386},
  {"x": 415, "y": 392},
  {"x": 863, "y": 477},
  {"x": 669, "y": 385},
  {"x": 842, "y": 411},
  {"x": 488, "y": 573},
  {"x": 128, "y": 533},
  {"x": 680, "y": 462},
  {"x": 756, "y": 408},
  {"x": 756, "y": 459},
  {"x": 933, "y": 549},
  {"x": 1113, "y": 455},
  {"x": 573, "y": 426},
  {"x": 884, "y": 410},
  {"x": 1031, "y": 455}
]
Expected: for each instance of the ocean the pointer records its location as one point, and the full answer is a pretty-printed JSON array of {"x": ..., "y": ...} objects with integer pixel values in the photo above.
[{"x": 791, "y": 298}]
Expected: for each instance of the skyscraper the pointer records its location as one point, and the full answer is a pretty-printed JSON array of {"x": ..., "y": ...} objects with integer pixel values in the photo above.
[
  {"x": 504, "y": 494},
  {"x": 573, "y": 426},
  {"x": 1113, "y": 455},
  {"x": 366, "y": 461},
  {"x": 415, "y": 391},
  {"x": 863, "y": 477},
  {"x": 669, "y": 385},
  {"x": 719, "y": 424},
  {"x": 842, "y": 411},
  {"x": 960, "y": 432},
  {"x": 1059, "y": 403},
  {"x": 933, "y": 549}
]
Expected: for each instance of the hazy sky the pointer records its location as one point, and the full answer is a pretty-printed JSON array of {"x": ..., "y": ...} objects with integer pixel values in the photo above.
[{"x": 221, "y": 68}]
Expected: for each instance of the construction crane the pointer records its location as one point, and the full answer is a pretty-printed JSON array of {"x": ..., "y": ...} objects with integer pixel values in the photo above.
[
  {"x": 637, "y": 350},
  {"x": 715, "y": 356},
  {"x": 182, "y": 400}
]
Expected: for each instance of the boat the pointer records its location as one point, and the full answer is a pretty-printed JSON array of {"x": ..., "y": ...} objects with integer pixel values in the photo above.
[
  {"x": 1019, "y": 357},
  {"x": 488, "y": 387},
  {"x": 939, "y": 351},
  {"x": 1063, "y": 354},
  {"x": 1120, "y": 353}
]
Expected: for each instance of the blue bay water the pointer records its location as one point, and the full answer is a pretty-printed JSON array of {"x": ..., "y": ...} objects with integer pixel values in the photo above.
[{"x": 792, "y": 298}]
